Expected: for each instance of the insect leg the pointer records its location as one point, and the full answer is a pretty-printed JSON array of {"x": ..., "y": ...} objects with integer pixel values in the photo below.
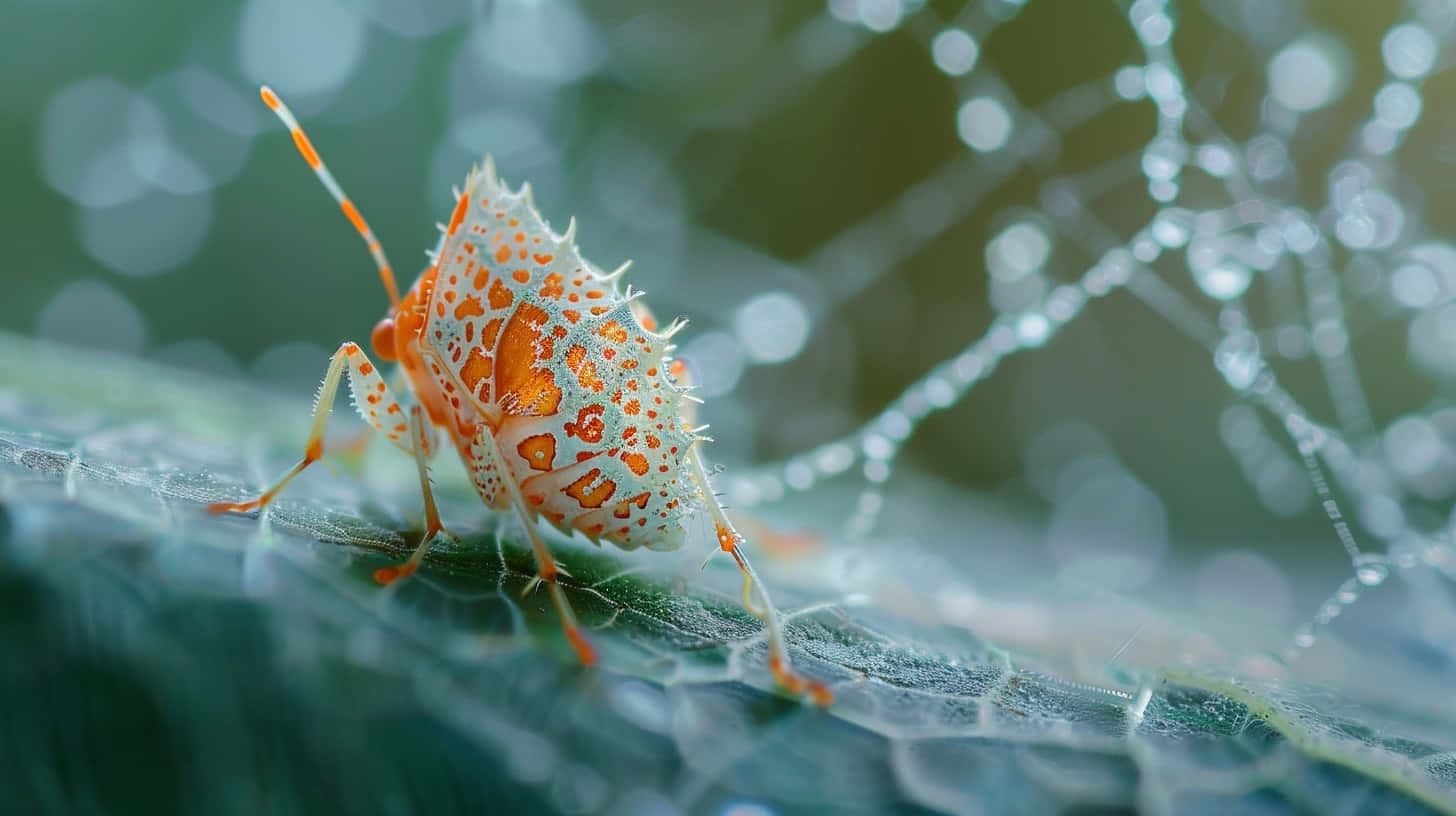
[
  {"x": 546, "y": 569},
  {"x": 729, "y": 541},
  {"x": 357, "y": 445},
  {"x": 418, "y": 443},
  {"x": 377, "y": 405},
  {"x": 310, "y": 155},
  {"x": 313, "y": 450}
]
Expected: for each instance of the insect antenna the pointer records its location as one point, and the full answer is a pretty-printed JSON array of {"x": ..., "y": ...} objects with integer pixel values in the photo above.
[{"x": 310, "y": 155}]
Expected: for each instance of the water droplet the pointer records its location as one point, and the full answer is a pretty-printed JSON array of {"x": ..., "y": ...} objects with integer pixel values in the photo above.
[
  {"x": 1238, "y": 359},
  {"x": 715, "y": 360},
  {"x": 877, "y": 447},
  {"x": 1409, "y": 51},
  {"x": 302, "y": 48},
  {"x": 1371, "y": 570},
  {"x": 772, "y": 327},
  {"x": 1129, "y": 82},
  {"x": 1300, "y": 235},
  {"x": 1414, "y": 285},
  {"x": 939, "y": 393},
  {"x": 1064, "y": 303},
  {"x": 1171, "y": 227},
  {"x": 1155, "y": 29},
  {"x": 1018, "y": 250},
  {"x": 895, "y": 425},
  {"x": 835, "y": 458},
  {"x": 545, "y": 40},
  {"x": 1413, "y": 446},
  {"x": 798, "y": 475},
  {"x": 1267, "y": 158},
  {"x": 983, "y": 124},
  {"x": 1032, "y": 329},
  {"x": 1309, "y": 73},
  {"x": 1144, "y": 248},
  {"x": 1378, "y": 137},
  {"x": 1163, "y": 85},
  {"x": 954, "y": 51},
  {"x": 1163, "y": 159},
  {"x": 880, "y": 16},
  {"x": 1216, "y": 160},
  {"x": 1224, "y": 281},
  {"x": 1398, "y": 105},
  {"x": 1163, "y": 191}
]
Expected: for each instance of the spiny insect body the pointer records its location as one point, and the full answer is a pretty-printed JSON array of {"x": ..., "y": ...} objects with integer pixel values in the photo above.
[{"x": 553, "y": 386}]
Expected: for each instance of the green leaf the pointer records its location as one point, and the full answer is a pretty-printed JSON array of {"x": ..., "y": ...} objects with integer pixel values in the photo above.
[{"x": 160, "y": 659}]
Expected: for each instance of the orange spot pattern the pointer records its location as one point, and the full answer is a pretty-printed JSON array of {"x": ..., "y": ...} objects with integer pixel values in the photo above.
[
  {"x": 476, "y": 372},
  {"x": 523, "y": 389},
  {"x": 636, "y": 462},
  {"x": 469, "y": 307},
  {"x": 588, "y": 426},
  {"x": 500, "y": 298},
  {"x": 539, "y": 451},
  {"x": 587, "y": 496}
]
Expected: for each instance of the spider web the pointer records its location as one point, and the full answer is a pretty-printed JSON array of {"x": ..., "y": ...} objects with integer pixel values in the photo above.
[{"x": 1240, "y": 214}]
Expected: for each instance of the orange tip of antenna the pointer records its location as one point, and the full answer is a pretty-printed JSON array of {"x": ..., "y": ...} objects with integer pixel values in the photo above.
[{"x": 269, "y": 98}]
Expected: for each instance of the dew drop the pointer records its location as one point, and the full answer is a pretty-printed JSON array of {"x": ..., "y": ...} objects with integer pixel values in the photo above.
[
  {"x": 1224, "y": 281},
  {"x": 1238, "y": 359},
  {"x": 1398, "y": 105},
  {"x": 1371, "y": 570},
  {"x": 1033, "y": 329},
  {"x": 1409, "y": 51},
  {"x": 983, "y": 124},
  {"x": 1170, "y": 228},
  {"x": 1308, "y": 74},
  {"x": 304, "y": 47},
  {"x": 1129, "y": 82},
  {"x": 772, "y": 327},
  {"x": 954, "y": 51}
]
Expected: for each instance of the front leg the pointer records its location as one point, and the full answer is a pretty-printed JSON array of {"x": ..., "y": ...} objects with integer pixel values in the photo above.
[{"x": 378, "y": 406}]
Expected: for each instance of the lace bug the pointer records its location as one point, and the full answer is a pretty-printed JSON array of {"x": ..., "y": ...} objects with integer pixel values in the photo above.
[{"x": 554, "y": 388}]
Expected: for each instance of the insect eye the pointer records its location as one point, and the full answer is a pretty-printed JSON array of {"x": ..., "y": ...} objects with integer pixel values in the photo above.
[{"x": 382, "y": 339}]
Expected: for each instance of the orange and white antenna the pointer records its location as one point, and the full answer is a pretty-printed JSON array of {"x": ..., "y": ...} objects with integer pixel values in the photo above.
[{"x": 310, "y": 155}]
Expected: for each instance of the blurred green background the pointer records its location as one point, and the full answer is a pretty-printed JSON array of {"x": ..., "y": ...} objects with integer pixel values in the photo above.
[{"x": 806, "y": 183}]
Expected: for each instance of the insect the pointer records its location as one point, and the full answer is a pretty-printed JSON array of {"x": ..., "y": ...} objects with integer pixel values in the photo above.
[{"x": 554, "y": 388}]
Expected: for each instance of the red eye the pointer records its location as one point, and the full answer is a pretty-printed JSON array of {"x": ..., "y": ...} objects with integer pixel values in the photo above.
[{"x": 382, "y": 339}]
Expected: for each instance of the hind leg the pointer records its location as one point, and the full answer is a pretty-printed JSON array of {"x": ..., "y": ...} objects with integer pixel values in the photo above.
[
  {"x": 490, "y": 478},
  {"x": 729, "y": 541}
]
